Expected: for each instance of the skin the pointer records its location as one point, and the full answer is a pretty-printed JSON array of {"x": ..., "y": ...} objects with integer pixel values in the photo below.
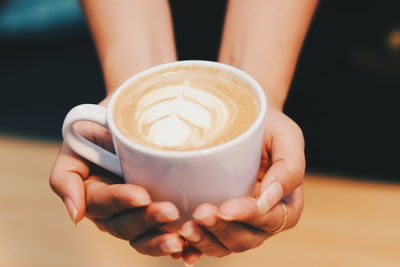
[
  {"x": 258, "y": 39},
  {"x": 125, "y": 46},
  {"x": 263, "y": 38}
]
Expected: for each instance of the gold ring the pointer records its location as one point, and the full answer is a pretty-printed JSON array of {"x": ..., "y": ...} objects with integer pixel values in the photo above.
[{"x": 284, "y": 220}]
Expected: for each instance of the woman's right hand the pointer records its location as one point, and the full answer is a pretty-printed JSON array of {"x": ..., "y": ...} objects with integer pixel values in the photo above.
[{"x": 123, "y": 210}]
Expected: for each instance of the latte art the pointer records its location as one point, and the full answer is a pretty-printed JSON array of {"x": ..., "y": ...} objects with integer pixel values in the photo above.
[
  {"x": 185, "y": 109},
  {"x": 181, "y": 116}
]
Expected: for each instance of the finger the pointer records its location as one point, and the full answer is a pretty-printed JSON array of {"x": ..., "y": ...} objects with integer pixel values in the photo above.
[
  {"x": 245, "y": 210},
  {"x": 202, "y": 240},
  {"x": 66, "y": 180},
  {"x": 235, "y": 236},
  {"x": 95, "y": 133},
  {"x": 176, "y": 256},
  {"x": 286, "y": 172},
  {"x": 190, "y": 255},
  {"x": 158, "y": 244},
  {"x": 104, "y": 200},
  {"x": 265, "y": 164},
  {"x": 130, "y": 224}
]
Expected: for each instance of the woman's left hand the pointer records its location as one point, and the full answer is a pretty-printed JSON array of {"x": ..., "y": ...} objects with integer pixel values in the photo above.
[{"x": 245, "y": 223}]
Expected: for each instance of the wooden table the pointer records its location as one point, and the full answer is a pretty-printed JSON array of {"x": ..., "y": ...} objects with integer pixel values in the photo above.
[{"x": 345, "y": 223}]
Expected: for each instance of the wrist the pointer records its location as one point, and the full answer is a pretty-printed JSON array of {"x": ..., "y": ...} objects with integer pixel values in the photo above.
[
  {"x": 130, "y": 36},
  {"x": 276, "y": 104},
  {"x": 275, "y": 96},
  {"x": 118, "y": 68},
  {"x": 275, "y": 92}
]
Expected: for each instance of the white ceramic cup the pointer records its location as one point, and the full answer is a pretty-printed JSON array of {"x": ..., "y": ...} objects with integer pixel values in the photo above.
[{"x": 187, "y": 178}]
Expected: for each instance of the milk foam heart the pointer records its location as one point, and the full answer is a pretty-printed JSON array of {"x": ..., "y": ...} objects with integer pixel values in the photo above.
[{"x": 185, "y": 109}]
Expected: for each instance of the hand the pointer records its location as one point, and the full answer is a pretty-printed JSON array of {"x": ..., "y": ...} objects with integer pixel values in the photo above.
[
  {"x": 124, "y": 210},
  {"x": 244, "y": 223}
]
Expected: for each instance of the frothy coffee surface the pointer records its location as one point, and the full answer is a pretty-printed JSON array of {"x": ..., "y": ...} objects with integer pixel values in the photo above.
[{"x": 185, "y": 108}]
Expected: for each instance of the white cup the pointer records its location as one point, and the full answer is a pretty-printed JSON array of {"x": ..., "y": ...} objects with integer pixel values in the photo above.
[{"x": 187, "y": 178}]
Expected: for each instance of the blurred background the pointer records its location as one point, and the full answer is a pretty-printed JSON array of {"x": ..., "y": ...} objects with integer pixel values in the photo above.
[{"x": 344, "y": 96}]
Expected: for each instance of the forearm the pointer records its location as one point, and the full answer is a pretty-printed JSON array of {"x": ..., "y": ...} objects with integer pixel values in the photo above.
[
  {"x": 264, "y": 38},
  {"x": 130, "y": 36}
]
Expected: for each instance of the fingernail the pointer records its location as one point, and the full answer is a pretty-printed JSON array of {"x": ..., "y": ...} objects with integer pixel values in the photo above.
[
  {"x": 205, "y": 218},
  {"x": 72, "y": 211},
  {"x": 142, "y": 201},
  {"x": 170, "y": 246},
  {"x": 271, "y": 195},
  {"x": 166, "y": 216},
  {"x": 225, "y": 217},
  {"x": 190, "y": 234}
]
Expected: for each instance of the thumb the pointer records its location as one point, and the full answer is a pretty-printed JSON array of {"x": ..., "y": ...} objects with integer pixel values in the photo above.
[{"x": 287, "y": 169}]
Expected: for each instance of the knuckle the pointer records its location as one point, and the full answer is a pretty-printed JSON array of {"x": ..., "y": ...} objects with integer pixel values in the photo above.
[
  {"x": 136, "y": 245},
  {"x": 222, "y": 229},
  {"x": 134, "y": 188},
  {"x": 208, "y": 248},
  {"x": 239, "y": 248},
  {"x": 146, "y": 250},
  {"x": 54, "y": 184},
  {"x": 295, "y": 172},
  {"x": 96, "y": 210},
  {"x": 268, "y": 227},
  {"x": 140, "y": 250},
  {"x": 116, "y": 195},
  {"x": 119, "y": 191},
  {"x": 246, "y": 242},
  {"x": 100, "y": 224},
  {"x": 118, "y": 229},
  {"x": 204, "y": 245},
  {"x": 258, "y": 242},
  {"x": 94, "y": 206},
  {"x": 297, "y": 130}
]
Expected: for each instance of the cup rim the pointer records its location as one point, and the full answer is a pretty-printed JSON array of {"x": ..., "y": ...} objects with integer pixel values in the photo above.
[{"x": 261, "y": 97}]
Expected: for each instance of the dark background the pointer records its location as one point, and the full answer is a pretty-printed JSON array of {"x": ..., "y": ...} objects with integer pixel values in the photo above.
[{"x": 344, "y": 94}]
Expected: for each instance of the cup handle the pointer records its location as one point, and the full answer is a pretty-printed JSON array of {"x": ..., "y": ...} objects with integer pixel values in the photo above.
[{"x": 82, "y": 146}]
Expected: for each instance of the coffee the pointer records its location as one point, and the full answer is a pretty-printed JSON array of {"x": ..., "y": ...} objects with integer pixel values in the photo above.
[{"x": 185, "y": 108}]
